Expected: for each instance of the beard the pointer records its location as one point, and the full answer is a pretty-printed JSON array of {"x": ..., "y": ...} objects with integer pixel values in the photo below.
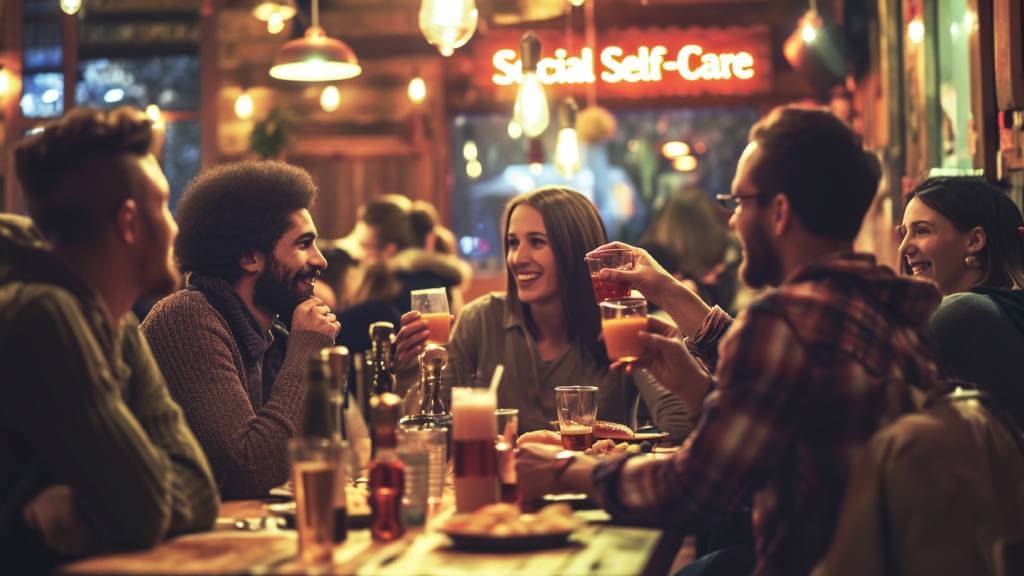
[
  {"x": 159, "y": 273},
  {"x": 760, "y": 266},
  {"x": 279, "y": 291}
]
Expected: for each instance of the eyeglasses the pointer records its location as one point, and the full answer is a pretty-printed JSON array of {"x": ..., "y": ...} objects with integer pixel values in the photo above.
[{"x": 732, "y": 201}]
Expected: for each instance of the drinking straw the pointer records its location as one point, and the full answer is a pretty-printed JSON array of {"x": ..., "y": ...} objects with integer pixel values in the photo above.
[{"x": 496, "y": 378}]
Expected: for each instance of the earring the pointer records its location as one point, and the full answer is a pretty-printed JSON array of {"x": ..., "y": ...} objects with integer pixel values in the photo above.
[{"x": 972, "y": 262}]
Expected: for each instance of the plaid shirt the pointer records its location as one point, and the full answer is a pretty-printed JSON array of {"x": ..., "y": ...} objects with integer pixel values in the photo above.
[{"x": 806, "y": 375}]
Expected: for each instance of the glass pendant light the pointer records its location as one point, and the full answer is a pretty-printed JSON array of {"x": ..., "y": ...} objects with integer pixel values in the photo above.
[
  {"x": 448, "y": 24},
  {"x": 531, "y": 108}
]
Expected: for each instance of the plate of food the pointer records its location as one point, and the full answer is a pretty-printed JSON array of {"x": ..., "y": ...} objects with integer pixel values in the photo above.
[
  {"x": 357, "y": 509},
  {"x": 503, "y": 527}
]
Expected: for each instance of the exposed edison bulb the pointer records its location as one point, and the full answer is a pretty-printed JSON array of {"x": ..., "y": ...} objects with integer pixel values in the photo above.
[
  {"x": 70, "y": 7},
  {"x": 244, "y": 106},
  {"x": 275, "y": 23},
  {"x": 567, "y": 152},
  {"x": 515, "y": 131},
  {"x": 469, "y": 150},
  {"x": 448, "y": 24},
  {"x": 417, "y": 90},
  {"x": 330, "y": 98},
  {"x": 531, "y": 109}
]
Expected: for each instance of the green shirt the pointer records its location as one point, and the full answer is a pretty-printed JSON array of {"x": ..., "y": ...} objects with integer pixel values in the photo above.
[
  {"x": 86, "y": 406},
  {"x": 487, "y": 334}
]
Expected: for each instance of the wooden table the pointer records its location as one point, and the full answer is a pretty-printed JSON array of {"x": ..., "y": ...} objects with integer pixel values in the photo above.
[{"x": 598, "y": 548}]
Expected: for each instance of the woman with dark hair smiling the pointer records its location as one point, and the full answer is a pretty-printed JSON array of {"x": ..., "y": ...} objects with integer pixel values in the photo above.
[
  {"x": 968, "y": 237},
  {"x": 545, "y": 329}
]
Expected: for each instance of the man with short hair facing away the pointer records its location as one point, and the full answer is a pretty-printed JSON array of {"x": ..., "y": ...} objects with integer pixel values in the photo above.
[
  {"x": 97, "y": 456},
  {"x": 789, "y": 392},
  {"x": 247, "y": 242}
]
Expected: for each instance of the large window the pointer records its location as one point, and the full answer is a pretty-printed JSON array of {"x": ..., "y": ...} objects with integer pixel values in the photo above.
[
  {"x": 42, "y": 94},
  {"x": 626, "y": 175}
]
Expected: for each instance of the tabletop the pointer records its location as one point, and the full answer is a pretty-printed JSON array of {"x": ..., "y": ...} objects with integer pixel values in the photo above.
[{"x": 261, "y": 547}]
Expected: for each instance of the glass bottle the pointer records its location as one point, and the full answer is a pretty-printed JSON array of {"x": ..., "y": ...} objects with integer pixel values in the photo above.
[
  {"x": 387, "y": 473},
  {"x": 382, "y": 379},
  {"x": 318, "y": 471}
]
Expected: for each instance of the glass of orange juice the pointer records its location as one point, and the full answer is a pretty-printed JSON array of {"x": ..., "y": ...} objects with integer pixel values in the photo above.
[
  {"x": 432, "y": 304},
  {"x": 622, "y": 321}
]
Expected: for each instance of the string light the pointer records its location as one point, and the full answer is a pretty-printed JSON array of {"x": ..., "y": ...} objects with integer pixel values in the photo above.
[{"x": 448, "y": 24}]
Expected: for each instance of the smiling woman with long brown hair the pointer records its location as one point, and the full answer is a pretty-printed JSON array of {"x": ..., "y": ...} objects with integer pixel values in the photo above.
[{"x": 545, "y": 330}]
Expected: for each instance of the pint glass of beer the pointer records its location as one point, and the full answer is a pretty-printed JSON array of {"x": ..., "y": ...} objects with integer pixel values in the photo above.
[
  {"x": 577, "y": 410},
  {"x": 475, "y": 459}
]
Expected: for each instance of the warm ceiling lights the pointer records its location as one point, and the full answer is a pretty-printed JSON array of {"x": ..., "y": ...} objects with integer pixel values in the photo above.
[
  {"x": 70, "y": 7},
  {"x": 448, "y": 24},
  {"x": 244, "y": 106},
  {"x": 316, "y": 57},
  {"x": 330, "y": 98},
  {"x": 417, "y": 90},
  {"x": 275, "y": 13},
  {"x": 567, "y": 144}
]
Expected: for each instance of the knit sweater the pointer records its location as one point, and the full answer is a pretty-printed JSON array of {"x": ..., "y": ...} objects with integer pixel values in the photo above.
[
  {"x": 210, "y": 373},
  {"x": 85, "y": 405}
]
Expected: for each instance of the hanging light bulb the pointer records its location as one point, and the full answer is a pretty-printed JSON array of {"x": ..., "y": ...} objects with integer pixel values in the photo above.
[
  {"x": 275, "y": 24},
  {"x": 70, "y": 7},
  {"x": 448, "y": 24},
  {"x": 474, "y": 169},
  {"x": 469, "y": 150},
  {"x": 515, "y": 131},
  {"x": 567, "y": 145},
  {"x": 417, "y": 90},
  {"x": 244, "y": 106},
  {"x": 275, "y": 13},
  {"x": 577, "y": 3},
  {"x": 531, "y": 108},
  {"x": 535, "y": 156},
  {"x": 316, "y": 57},
  {"x": 330, "y": 98}
]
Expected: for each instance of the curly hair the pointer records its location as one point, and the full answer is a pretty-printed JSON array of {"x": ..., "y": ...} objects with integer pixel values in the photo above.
[
  {"x": 814, "y": 159},
  {"x": 74, "y": 172},
  {"x": 236, "y": 209}
]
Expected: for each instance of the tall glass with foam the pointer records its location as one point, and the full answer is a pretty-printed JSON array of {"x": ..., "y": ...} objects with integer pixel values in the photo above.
[{"x": 474, "y": 457}]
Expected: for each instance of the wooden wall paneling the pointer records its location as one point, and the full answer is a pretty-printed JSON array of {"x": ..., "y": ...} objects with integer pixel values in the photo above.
[
  {"x": 1009, "y": 54},
  {"x": 983, "y": 93}
]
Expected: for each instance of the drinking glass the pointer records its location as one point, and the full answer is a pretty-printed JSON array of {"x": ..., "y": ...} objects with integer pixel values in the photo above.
[
  {"x": 319, "y": 497},
  {"x": 432, "y": 304},
  {"x": 622, "y": 321},
  {"x": 473, "y": 454},
  {"x": 616, "y": 259},
  {"x": 508, "y": 427},
  {"x": 577, "y": 410}
]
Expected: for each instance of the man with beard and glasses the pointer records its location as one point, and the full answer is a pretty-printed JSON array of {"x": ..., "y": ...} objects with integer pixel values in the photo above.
[
  {"x": 96, "y": 455},
  {"x": 248, "y": 245},
  {"x": 791, "y": 390}
]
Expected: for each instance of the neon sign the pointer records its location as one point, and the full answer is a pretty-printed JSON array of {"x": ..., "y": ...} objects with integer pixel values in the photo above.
[{"x": 639, "y": 62}]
